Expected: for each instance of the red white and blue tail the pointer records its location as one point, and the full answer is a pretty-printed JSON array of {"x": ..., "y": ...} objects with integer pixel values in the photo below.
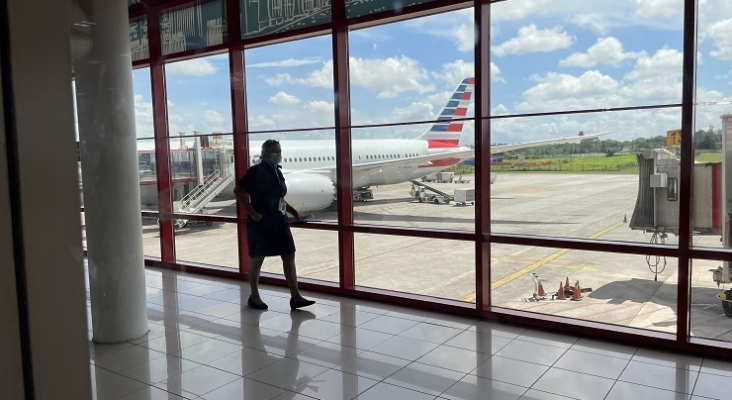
[{"x": 447, "y": 134}]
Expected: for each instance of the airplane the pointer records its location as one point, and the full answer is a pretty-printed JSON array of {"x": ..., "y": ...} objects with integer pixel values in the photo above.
[{"x": 309, "y": 165}]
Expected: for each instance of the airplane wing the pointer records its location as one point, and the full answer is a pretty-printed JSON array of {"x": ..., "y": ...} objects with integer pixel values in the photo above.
[{"x": 501, "y": 148}]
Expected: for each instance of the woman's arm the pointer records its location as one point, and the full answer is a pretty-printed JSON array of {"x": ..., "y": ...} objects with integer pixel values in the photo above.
[
  {"x": 243, "y": 197},
  {"x": 292, "y": 211}
]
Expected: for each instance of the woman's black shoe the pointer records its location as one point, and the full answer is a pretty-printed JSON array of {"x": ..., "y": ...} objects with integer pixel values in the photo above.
[
  {"x": 300, "y": 304},
  {"x": 256, "y": 306}
]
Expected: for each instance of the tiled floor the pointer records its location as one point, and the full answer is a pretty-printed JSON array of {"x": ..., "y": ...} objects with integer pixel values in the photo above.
[{"x": 203, "y": 344}]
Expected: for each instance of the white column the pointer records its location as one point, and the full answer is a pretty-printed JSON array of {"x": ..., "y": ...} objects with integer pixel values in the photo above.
[
  {"x": 40, "y": 229},
  {"x": 110, "y": 177}
]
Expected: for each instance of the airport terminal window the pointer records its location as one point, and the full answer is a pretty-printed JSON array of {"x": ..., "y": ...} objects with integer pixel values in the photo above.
[
  {"x": 588, "y": 186},
  {"x": 711, "y": 124},
  {"x": 587, "y": 177},
  {"x": 541, "y": 62},
  {"x": 711, "y": 296},
  {"x": 617, "y": 289},
  {"x": 290, "y": 86}
]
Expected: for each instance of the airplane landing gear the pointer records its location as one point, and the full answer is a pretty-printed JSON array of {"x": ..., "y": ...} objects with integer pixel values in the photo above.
[{"x": 363, "y": 194}]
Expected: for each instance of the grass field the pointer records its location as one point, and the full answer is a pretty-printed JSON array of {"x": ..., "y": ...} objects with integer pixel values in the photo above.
[
  {"x": 709, "y": 157},
  {"x": 620, "y": 164}
]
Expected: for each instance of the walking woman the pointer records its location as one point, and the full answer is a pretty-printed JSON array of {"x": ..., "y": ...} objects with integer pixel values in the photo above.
[{"x": 262, "y": 193}]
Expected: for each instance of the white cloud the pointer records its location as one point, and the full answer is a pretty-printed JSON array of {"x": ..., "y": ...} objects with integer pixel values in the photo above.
[
  {"x": 322, "y": 78},
  {"x": 665, "y": 63},
  {"x": 278, "y": 79},
  {"x": 283, "y": 98},
  {"x": 290, "y": 62},
  {"x": 193, "y": 67},
  {"x": 516, "y": 10},
  {"x": 626, "y": 125},
  {"x": 464, "y": 36},
  {"x": 454, "y": 72},
  {"x": 567, "y": 92},
  {"x": 656, "y": 78},
  {"x": 719, "y": 32},
  {"x": 320, "y": 106},
  {"x": 419, "y": 111},
  {"x": 143, "y": 117},
  {"x": 176, "y": 124},
  {"x": 533, "y": 40},
  {"x": 499, "y": 110},
  {"x": 659, "y": 8},
  {"x": 607, "y": 50},
  {"x": 598, "y": 22},
  {"x": 457, "y": 26},
  {"x": 213, "y": 117},
  {"x": 261, "y": 123},
  {"x": 390, "y": 76}
]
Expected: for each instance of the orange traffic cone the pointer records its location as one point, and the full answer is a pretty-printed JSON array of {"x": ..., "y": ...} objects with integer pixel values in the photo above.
[
  {"x": 541, "y": 290},
  {"x": 566, "y": 284},
  {"x": 577, "y": 295},
  {"x": 560, "y": 292},
  {"x": 625, "y": 218}
]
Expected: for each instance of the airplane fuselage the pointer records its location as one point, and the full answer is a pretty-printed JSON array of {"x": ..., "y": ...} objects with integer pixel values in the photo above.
[{"x": 309, "y": 155}]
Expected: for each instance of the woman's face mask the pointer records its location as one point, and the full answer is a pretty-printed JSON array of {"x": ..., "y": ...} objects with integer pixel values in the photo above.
[{"x": 275, "y": 158}]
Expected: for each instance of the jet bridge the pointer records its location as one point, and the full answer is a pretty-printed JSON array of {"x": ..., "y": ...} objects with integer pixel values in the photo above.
[
  {"x": 657, "y": 204},
  {"x": 657, "y": 209}
]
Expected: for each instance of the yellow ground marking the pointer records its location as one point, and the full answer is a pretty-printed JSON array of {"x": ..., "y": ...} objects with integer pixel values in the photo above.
[{"x": 531, "y": 267}]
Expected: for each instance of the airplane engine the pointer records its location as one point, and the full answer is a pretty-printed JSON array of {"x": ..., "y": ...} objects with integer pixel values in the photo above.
[{"x": 309, "y": 192}]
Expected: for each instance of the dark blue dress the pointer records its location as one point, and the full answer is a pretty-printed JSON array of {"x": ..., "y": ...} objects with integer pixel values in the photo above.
[{"x": 271, "y": 236}]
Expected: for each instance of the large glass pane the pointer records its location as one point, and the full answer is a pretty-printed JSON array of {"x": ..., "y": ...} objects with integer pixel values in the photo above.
[
  {"x": 308, "y": 165},
  {"x": 213, "y": 243},
  {"x": 617, "y": 289},
  {"x": 290, "y": 85},
  {"x": 190, "y": 27},
  {"x": 713, "y": 96},
  {"x": 147, "y": 169},
  {"x": 620, "y": 186},
  {"x": 409, "y": 71},
  {"x": 202, "y": 175},
  {"x": 142, "y": 89},
  {"x": 199, "y": 96},
  {"x": 403, "y": 182},
  {"x": 260, "y": 17},
  {"x": 432, "y": 267},
  {"x": 317, "y": 255},
  {"x": 148, "y": 196},
  {"x": 560, "y": 55},
  {"x": 711, "y": 300}
]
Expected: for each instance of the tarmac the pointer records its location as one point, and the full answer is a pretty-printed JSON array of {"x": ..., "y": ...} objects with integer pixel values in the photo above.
[{"x": 628, "y": 290}]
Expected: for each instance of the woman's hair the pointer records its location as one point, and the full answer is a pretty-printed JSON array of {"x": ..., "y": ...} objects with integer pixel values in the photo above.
[{"x": 269, "y": 144}]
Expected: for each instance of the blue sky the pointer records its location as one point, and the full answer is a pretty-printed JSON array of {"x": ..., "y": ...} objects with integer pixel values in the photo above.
[{"x": 547, "y": 55}]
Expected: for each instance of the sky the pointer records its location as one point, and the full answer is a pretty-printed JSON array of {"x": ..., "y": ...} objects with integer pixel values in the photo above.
[{"x": 546, "y": 56}]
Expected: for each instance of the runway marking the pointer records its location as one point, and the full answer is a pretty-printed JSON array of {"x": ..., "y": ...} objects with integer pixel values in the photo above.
[{"x": 531, "y": 267}]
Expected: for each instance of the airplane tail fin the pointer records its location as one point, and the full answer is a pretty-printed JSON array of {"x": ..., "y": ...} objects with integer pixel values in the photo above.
[{"x": 446, "y": 133}]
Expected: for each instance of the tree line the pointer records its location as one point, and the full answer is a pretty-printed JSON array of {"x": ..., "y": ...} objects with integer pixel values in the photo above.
[{"x": 705, "y": 139}]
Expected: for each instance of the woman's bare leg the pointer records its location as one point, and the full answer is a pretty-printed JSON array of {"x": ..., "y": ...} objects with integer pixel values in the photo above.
[
  {"x": 288, "y": 266},
  {"x": 255, "y": 266}
]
